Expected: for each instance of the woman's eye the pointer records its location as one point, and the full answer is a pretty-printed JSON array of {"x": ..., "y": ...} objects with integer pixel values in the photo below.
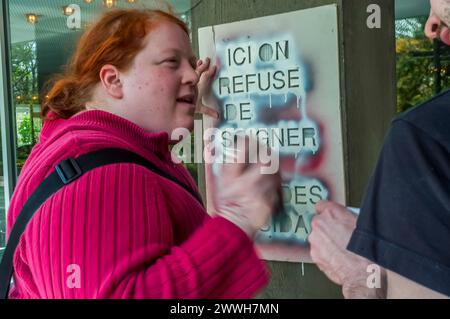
[{"x": 172, "y": 61}]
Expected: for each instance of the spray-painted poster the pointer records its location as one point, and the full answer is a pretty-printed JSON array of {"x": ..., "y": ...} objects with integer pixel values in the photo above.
[{"x": 280, "y": 75}]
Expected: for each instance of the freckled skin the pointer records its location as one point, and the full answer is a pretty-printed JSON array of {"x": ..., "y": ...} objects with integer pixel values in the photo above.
[
  {"x": 447, "y": 14},
  {"x": 154, "y": 83},
  {"x": 442, "y": 9},
  {"x": 445, "y": 5}
]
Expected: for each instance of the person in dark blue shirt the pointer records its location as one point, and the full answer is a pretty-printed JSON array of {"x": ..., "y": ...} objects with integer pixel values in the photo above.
[{"x": 399, "y": 246}]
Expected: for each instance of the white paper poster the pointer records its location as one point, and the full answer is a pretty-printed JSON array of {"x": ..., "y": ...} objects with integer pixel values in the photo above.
[{"x": 280, "y": 76}]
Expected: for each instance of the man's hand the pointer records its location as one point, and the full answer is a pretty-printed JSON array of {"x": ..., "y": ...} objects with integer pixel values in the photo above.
[{"x": 331, "y": 230}]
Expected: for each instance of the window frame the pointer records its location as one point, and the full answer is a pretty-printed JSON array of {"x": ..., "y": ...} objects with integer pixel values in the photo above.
[
  {"x": 7, "y": 117},
  {"x": 8, "y": 124}
]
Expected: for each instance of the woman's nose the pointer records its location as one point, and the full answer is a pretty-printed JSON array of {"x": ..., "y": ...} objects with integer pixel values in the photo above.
[
  {"x": 432, "y": 26},
  {"x": 190, "y": 76}
]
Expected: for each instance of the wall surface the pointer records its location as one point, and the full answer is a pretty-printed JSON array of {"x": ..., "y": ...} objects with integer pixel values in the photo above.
[{"x": 367, "y": 73}]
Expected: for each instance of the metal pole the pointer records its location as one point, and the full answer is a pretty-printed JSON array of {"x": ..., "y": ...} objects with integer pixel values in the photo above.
[
  {"x": 7, "y": 116},
  {"x": 437, "y": 66}
]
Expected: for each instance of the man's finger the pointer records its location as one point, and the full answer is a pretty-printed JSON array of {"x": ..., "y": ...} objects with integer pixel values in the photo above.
[
  {"x": 324, "y": 205},
  {"x": 321, "y": 206}
]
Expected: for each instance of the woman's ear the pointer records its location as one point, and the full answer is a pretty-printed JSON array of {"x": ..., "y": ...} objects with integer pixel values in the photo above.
[{"x": 110, "y": 79}]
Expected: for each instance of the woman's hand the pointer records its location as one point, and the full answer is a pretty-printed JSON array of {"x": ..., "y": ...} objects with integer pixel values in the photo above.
[
  {"x": 206, "y": 73},
  {"x": 244, "y": 195}
]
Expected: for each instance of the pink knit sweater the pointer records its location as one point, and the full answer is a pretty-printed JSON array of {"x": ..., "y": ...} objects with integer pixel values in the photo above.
[{"x": 121, "y": 231}]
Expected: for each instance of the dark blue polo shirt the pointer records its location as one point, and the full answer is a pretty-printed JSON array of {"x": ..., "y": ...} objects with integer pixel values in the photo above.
[{"x": 404, "y": 224}]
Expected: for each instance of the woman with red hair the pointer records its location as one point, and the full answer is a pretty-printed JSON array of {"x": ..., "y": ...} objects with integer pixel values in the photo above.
[{"x": 122, "y": 230}]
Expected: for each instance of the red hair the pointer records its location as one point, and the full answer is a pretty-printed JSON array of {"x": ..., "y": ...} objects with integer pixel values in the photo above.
[{"x": 116, "y": 38}]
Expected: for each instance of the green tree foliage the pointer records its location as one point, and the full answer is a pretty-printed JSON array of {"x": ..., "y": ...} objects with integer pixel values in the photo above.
[
  {"x": 24, "y": 70},
  {"x": 25, "y": 93},
  {"x": 416, "y": 69},
  {"x": 24, "y": 131}
]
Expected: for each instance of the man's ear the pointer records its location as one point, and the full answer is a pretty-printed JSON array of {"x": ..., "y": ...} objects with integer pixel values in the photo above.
[{"x": 110, "y": 79}]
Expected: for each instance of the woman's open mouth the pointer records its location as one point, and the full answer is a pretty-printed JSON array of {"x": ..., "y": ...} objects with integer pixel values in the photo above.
[{"x": 187, "y": 99}]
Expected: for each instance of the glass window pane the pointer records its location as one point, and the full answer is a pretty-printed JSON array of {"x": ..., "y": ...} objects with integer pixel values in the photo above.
[{"x": 42, "y": 40}]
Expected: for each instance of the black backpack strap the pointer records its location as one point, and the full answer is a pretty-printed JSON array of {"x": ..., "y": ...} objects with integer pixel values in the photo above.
[{"x": 66, "y": 172}]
